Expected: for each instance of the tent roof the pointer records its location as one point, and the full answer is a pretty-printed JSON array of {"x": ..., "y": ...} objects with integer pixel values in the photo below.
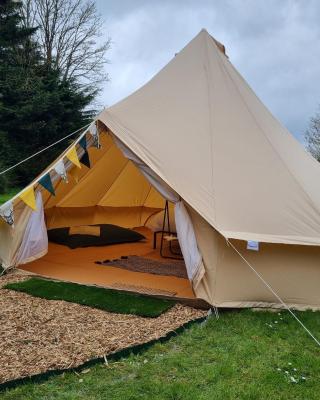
[{"x": 202, "y": 129}]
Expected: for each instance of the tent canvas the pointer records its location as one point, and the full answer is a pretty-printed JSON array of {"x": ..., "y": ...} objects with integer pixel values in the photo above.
[{"x": 198, "y": 132}]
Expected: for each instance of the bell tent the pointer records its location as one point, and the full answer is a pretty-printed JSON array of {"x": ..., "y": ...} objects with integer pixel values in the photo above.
[{"x": 242, "y": 192}]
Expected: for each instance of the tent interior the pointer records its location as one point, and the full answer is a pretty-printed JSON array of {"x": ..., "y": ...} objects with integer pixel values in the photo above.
[{"x": 113, "y": 191}]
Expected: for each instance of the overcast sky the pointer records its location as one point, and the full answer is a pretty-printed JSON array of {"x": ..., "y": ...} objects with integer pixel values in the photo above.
[{"x": 274, "y": 44}]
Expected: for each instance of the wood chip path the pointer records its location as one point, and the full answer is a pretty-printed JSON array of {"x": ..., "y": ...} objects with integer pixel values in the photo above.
[{"x": 38, "y": 335}]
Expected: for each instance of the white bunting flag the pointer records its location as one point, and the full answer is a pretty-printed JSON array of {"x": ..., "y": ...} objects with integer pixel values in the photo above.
[
  {"x": 61, "y": 170},
  {"x": 6, "y": 213},
  {"x": 93, "y": 130}
]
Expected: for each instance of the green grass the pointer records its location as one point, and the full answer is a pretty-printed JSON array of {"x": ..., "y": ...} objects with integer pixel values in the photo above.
[
  {"x": 105, "y": 299},
  {"x": 235, "y": 357},
  {"x": 8, "y": 195}
]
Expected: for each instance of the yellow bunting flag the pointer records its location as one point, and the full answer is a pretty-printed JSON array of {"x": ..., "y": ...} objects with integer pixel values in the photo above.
[
  {"x": 29, "y": 198},
  {"x": 73, "y": 157}
]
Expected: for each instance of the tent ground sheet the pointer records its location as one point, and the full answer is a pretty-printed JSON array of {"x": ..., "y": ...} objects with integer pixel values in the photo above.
[{"x": 78, "y": 265}]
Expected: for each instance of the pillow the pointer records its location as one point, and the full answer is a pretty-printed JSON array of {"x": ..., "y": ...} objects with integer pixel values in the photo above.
[
  {"x": 92, "y": 230},
  {"x": 155, "y": 222},
  {"x": 109, "y": 234}
]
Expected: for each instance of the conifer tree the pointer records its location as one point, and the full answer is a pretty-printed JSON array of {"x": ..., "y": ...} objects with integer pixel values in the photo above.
[{"x": 37, "y": 106}]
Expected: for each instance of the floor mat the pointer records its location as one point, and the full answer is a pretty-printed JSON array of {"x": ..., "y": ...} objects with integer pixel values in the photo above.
[{"x": 151, "y": 266}]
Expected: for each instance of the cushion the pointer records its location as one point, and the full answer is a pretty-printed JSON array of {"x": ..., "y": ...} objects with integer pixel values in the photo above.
[
  {"x": 92, "y": 230},
  {"x": 109, "y": 234},
  {"x": 155, "y": 222}
]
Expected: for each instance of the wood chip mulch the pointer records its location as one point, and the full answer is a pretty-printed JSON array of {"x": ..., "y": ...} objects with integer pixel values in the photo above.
[{"x": 38, "y": 335}]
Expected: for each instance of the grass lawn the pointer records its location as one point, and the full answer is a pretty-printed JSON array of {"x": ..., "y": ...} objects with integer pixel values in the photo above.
[
  {"x": 105, "y": 299},
  {"x": 7, "y": 196},
  {"x": 234, "y": 357}
]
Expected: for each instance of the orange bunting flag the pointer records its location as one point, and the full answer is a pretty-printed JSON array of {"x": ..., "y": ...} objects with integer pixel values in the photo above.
[
  {"x": 28, "y": 197},
  {"x": 73, "y": 157}
]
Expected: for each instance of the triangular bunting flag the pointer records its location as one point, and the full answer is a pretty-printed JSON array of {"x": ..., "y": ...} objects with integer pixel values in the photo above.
[
  {"x": 95, "y": 134},
  {"x": 6, "y": 213},
  {"x": 83, "y": 142},
  {"x": 46, "y": 182},
  {"x": 85, "y": 160},
  {"x": 73, "y": 156},
  {"x": 28, "y": 197},
  {"x": 61, "y": 170}
]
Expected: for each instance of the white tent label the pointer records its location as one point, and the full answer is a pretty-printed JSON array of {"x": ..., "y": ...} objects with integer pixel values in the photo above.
[{"x": 252, "y": 245}]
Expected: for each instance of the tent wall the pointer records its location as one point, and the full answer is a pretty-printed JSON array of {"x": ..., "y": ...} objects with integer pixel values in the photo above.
[
  {"x": 34, "y": 244},
  {"x": 11, "y": 238},
  {"x": 127, "y": 217},
  {"x": 202, "y": 130},
  {"x": 113, "y": 191},
  {"x": 293, "y": 271}
]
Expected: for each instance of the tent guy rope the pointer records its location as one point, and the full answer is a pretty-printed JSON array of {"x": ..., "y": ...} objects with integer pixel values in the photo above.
[
  {"x": 46, "y": 148},
  {"x": 273, "y": 292}
]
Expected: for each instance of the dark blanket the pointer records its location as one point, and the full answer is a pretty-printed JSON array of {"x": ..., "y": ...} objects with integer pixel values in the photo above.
[{"x": 109, "y": 234}]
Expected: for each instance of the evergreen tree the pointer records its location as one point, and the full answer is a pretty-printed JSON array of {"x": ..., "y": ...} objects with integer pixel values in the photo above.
[
  {"x": 12, "y": 40},
  {"x": 37, "y": 107}
]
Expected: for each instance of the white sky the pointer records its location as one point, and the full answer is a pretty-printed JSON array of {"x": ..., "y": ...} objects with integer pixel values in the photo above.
[{"x": 274, "y": 44}]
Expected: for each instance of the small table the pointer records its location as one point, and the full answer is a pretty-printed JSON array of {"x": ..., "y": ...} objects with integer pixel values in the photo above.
[{"x": 168, "y": 236}]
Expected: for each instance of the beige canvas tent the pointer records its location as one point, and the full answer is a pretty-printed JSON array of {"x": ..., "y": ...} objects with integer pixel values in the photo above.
[{"x": 198, "y": 136}]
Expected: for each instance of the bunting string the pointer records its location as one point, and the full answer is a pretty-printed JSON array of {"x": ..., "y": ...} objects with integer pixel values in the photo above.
[
  {"x": 27, "y": 195},
  {"x": 46, "y": 148}
]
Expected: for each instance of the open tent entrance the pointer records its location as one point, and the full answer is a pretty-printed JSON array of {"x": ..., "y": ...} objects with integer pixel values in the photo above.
[{"x": 114, "y": 192}]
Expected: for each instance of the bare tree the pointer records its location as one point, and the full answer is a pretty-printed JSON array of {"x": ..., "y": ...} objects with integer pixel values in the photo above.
[
  {"x": 312, "y": 136},
  {"x": 69, "y": 33}
]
